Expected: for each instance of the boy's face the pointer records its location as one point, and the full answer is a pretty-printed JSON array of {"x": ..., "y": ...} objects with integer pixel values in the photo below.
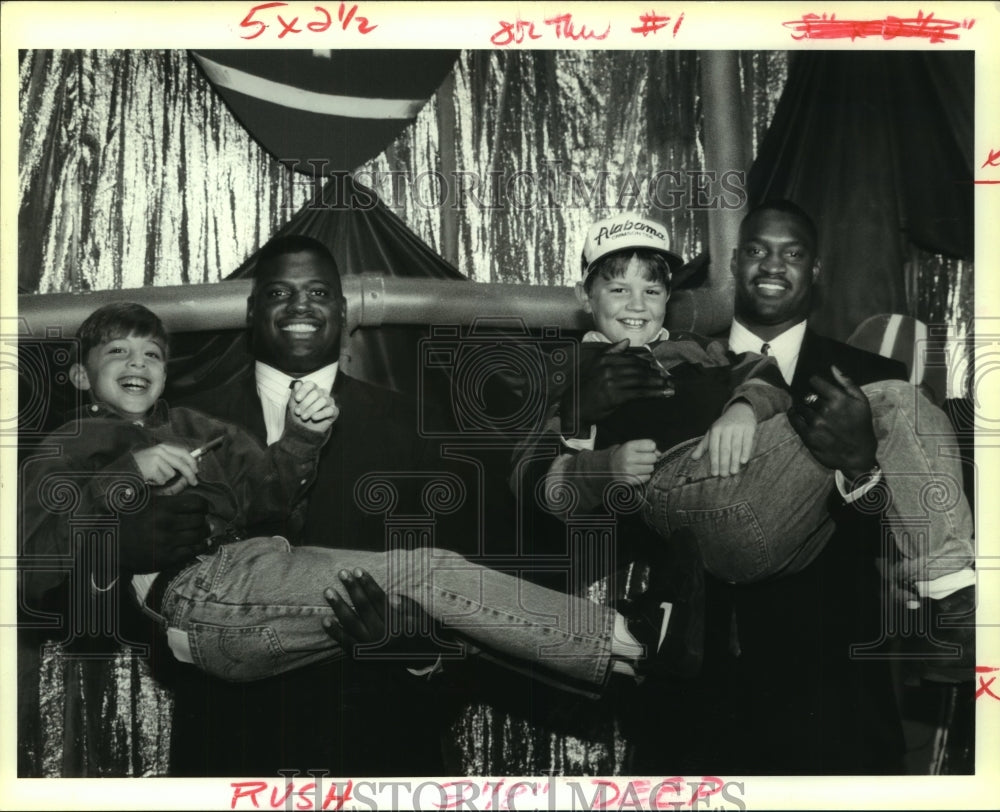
[
  {"x": 630, "y": 306},
  {"x": 127, "y": 374}
]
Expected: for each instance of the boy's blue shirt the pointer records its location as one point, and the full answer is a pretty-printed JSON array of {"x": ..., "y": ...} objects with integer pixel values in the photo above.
[{"x": 90, "y": 459}]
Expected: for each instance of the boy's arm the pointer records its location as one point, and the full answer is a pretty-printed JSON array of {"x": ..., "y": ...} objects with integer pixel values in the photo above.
[
  {"x": 270, "y": 482},
  {"x": 757, "y": 380},
  {"x": 550, "y": 474},
  {"x": 78, "y": 481}
]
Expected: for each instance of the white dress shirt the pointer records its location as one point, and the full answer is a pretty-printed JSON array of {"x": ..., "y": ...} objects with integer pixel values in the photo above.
[
  {"x": 274, "y": 388},
  {"x": 784, "y": 348}
]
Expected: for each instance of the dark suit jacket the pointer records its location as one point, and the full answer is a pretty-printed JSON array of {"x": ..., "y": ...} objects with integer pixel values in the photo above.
[
  {"x": 818, "y": 353},
  {"x": 377, "y": 431},
  {"x": 793, "y": 702},
  {"x": 347, "y": 717},
  {"x": 814, "y": 708}
]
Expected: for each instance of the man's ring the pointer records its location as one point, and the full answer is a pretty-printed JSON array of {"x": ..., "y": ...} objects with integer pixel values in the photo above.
[{"x": 810, "y": 399}]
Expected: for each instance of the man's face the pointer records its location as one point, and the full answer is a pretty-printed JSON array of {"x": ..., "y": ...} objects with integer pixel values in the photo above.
[
  {"x": 128, "y": 374},
  {"x": 630, "y": 306},
  {"x": 296, "y": 313},
  {"x": 774, "y": 266}
]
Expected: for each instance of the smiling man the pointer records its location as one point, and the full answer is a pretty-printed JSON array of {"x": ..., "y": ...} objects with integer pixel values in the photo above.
[
  {"x": 332, "y": 716},
  {"x": 814, "y": 708}
]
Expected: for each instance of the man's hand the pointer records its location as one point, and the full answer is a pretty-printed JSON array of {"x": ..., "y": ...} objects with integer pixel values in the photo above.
[
  {"x": 169, "y": 531},
  {"x": 635, "y": 460},
  {"x": 729, "y": 441},
  {"x": 613, "y": 378},
  {"x": 365, "y": 621},
  {"x": 170, "y": 466},
  {"x": 837, "y": 426},
  {"x": 311, "y": 407}
]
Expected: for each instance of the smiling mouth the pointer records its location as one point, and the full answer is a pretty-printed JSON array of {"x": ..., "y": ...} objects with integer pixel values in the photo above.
[
  {"x": 134, "y": 384},
  {"x": 634, "y": 324},
  {"x": 772, "y": 286},
  {"x": 302, "y": 328}
]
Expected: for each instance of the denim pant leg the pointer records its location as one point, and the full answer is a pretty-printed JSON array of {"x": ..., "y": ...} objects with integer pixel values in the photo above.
[
  {"x": 516, "y": 619},
  {"x": 254, "y": 609},
  {"x": 770, "y": 519},
  {"x": 928, "y": 514}
]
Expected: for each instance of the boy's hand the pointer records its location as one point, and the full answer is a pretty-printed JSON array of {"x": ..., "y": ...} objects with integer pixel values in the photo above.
[
  {"x": 635, "y": 459},
  {"x": 168, "y": 465},
  {"x": 311, "y": 407},
  {"x": 729, "y": 441}
]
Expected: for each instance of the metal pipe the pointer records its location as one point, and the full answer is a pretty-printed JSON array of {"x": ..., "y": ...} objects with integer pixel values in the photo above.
[
  {"x": 372, "y": 300},
  {"x": 724, "y": 151}
]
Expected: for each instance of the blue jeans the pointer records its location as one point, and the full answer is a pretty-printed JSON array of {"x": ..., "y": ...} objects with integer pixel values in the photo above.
[
  {"x": 255, "y": 608},
  {"x": 772, "y": 518}
]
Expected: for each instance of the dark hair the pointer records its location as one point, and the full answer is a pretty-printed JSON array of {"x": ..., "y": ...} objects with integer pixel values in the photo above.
[
  {"x": 120, "y": 320},
  {"x": 292, "y": 244},
  {"x": 785, "y": 207},
  {"x": 655, "y": 266}
]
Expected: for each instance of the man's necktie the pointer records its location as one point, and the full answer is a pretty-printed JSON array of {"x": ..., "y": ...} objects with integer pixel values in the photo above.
[{"x": 765, "y": 349}]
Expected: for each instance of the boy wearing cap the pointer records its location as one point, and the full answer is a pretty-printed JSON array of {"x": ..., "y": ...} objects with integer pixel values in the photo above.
[{"x": 714, "y": 450}]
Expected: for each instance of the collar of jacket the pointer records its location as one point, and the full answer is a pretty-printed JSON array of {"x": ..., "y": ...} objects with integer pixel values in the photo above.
[{"x": 156, "y": 416}]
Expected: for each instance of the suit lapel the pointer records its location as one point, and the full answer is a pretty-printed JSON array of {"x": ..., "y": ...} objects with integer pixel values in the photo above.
[
  {"x": 814, "y": 359},
  {"x": 251, "y": 413}
]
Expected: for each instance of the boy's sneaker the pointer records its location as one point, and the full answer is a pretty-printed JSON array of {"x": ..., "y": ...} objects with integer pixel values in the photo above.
[{"x": 664, "y": 606}]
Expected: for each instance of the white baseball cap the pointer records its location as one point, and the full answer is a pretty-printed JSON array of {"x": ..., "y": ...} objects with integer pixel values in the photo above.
[{"x": 626, "y": 232}]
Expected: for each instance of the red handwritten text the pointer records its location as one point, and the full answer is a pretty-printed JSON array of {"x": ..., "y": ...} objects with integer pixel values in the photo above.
[
  {"x": 306, "y": 796},
  {"x": 652, "y": 22},
  {"x": 984, "y": 686},
  {"x": 514, "y": 33},
  {"x": 991, "y": 162},
  {"x": 815, "y": 26},
  {"x": 346, "y": 17}
]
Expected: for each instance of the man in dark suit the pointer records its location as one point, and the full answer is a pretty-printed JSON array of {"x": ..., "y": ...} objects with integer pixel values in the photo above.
[
  {"x": 779, "y": 692},
  {"x": 348, "y": 717},
  {"x": 803, "y": 703}
]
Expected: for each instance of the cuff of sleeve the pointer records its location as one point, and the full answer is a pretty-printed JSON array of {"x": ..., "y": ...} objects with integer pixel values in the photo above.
[
  {"x": 581, "y": 443},
  {"x": 858, "y": 492},
  {"x": 434, "y": 668},
  {"x": 302, "y": 442},
  {"x": 586, "y": 473},
  {"x": 100, "y": 589}
]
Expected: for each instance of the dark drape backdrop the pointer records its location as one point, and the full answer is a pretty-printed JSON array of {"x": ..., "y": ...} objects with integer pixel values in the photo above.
[{"x": 878, "y": 148}]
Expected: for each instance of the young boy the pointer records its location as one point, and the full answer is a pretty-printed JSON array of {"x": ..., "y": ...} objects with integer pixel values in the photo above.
[
  {"x": 715, "y": 451},
  {"x": 254, "y": 607}
]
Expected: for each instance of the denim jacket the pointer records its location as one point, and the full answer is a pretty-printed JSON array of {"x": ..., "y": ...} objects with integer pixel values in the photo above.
[{"x": 86, "y": 471}]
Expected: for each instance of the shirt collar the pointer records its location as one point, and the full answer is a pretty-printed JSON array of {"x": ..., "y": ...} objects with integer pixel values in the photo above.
[
  {"x": 784, "y": 347},
  {"x": 597, "y": 335},
  {"x": 276, "y": 383}
]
